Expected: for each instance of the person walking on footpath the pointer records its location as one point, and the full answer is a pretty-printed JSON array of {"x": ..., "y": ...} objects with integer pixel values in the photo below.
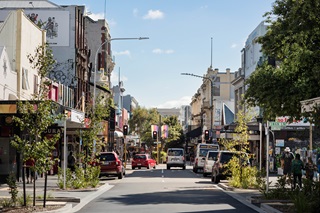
[
  {"x": 29, "y": 173},
  {"x": 286, "y": 161},
  {"x": 310, "y": 168},
  {"x": 297, "y": 166},
  {"x": 71, "y": 162}
]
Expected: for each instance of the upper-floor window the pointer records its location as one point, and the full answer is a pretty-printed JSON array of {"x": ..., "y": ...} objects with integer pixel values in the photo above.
[
  {"x": 216, "y": 87},
  {"x": 25, "y": 82}
]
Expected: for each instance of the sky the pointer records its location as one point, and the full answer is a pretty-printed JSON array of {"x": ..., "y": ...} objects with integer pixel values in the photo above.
[{"x": 185, "y": 36}]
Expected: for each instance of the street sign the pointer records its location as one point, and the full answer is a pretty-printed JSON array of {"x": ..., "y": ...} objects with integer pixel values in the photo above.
[{"x": 277, "y": 125}]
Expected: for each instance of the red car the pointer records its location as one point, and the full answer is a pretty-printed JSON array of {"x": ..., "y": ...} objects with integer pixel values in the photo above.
[
  {"x": 143, "y": 160},
  {"x": 111, "y": 165}
]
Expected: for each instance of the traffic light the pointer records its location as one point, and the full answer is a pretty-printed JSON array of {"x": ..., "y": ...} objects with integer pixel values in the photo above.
[
  {"x": 206, "y": 135},
  {"x": 125, "y": 129},
  {"x": 154, "y": 135}
]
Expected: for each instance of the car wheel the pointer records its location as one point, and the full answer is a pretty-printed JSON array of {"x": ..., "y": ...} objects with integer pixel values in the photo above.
[
  {"x": 120, "y": 175},
  {"x": 154, "y": 166},
  {"x": 194, "y": 170},
  {"x": 184, "y": 167},
  {"x": 205, "y": 174},
  {"x": 133, "y": 168},
  {"x": 168, "y": 167},
  {"x": 139, "y": 167},
  {"x": 148, "y": 167}
]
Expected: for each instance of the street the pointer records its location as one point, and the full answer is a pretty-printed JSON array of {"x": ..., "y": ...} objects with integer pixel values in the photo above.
[{"x": 161, "y": 190}]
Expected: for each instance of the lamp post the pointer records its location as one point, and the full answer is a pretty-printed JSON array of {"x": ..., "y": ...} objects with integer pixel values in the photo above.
[
  {"x": 211, "y": 96},
  {"x": 95, "y": 62}
]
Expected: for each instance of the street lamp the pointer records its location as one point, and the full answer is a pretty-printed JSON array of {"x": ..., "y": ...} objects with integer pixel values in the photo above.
[
  {"x": 95, "y": 62},
  {"x": 211, "y": 96}
]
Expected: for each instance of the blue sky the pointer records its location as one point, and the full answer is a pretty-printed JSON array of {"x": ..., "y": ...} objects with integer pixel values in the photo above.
[{"x": 180, "y": 33}]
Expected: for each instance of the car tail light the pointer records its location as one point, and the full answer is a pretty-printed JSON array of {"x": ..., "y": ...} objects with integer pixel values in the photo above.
[{"x": 118, "y": 163}]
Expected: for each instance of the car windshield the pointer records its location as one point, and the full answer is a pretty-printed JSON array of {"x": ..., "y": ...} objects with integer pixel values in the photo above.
[
  {"x": 107, "y": 157},
  {"x": 212, "y": 155},
  {"x": 226, "y": 157},
  {"x": 203, "y": 152},
  {"x": 139, "y": 157},
  {"x": 175, "y": 153}
]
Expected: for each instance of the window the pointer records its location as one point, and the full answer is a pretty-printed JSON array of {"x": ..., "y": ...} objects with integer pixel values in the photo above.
[
  {"x": 35, "y": 84},
  {"x": 25, "y": 82},
  {"x": 216, "y": 87}
]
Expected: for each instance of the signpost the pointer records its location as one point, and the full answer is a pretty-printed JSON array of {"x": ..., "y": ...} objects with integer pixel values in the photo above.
[{"x": 277, "y": 125}]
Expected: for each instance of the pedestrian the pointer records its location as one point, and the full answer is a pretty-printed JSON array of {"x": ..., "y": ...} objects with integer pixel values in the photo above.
[
  {"x": 286, "y": 161},
  {"x": 297, "y": 166},
  {"x": 29, "y": 170},
  {"x": 71, "y": 162},
  {"x": 310, "y": 168}
]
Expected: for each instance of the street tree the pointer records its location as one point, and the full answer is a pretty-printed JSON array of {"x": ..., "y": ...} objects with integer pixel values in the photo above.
[
  {"x": 243, "y": 176},
  {"x": 34, "y": 118},
  {"x": 292, "y": 45}
]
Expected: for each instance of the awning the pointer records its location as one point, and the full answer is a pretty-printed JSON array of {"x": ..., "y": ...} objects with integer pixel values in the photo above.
[
  {"x": 118, "y": 134},
  {"x": 194, "y": 133}
]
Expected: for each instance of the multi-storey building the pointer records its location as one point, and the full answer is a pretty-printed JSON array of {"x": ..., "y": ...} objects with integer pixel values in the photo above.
[{"x": 210, "y": 105}]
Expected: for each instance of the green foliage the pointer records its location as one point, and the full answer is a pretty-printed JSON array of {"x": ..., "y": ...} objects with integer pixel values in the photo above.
[
  {"x": 293, "y": 38},
  {"x": 28, "y": 200},
  {"x": 11, "y": 181},
  {"x": 80, "y": 178},
  {"x": 6, "y": 203},
  {"x": 34, "y": 144},
  {"x": 142, "y": 119},
  {"x": 92, "y": 176},
  {"x": 92, "y": 143},
  {"x": 243, "y": 175}
]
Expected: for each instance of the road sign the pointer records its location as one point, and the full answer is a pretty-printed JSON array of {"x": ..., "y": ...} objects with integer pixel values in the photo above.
[{"x": 277, "y": 125}]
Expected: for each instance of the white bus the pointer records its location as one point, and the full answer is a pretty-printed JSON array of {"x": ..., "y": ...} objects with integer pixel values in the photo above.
[{"x": 200, "y": 154}]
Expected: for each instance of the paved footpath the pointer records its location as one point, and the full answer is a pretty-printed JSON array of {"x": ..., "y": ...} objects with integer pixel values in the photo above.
[{"x": 74, "y": 200}]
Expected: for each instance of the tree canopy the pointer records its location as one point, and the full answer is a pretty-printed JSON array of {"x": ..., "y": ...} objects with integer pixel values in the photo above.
[
  {"x": 143, "y": 118},
  {"x": 293, "y": 40}
]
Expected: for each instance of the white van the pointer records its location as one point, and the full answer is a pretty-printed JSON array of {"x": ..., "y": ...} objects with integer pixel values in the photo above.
[
  {"x": 176, "y": 158},
  {"x": 200, "y": 154},
  {"x": 208, "y": 162}
]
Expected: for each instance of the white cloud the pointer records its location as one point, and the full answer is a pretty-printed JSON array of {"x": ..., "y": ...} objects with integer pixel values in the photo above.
[
  {"x": 126, "y": 52},
  {"x": 96, "y": 16},
  {"x": 115, "y": 78},
  {"x": 160, "y": 51},
  {"x": 234, "y": 45},
  {"x": 154, "y": 14},
  {"x": 186, "y": 100}
]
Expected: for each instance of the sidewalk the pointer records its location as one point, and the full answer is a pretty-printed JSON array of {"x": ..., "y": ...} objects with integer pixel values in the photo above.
[{"x": 74, "y": 200}]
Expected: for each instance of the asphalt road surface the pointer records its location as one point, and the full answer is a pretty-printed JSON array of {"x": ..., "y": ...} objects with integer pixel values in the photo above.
[{"x": 160, "y": 190}]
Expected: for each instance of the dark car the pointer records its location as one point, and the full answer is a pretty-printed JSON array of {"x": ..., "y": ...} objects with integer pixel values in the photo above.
[
  {"x": 111, "y": 165},
  {"x": 219, "y": 169},
  {"x": 143, "y": 160}
]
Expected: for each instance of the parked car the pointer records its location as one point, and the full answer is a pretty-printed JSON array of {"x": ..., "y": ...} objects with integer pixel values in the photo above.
[
  {"x": 176, "y": 158},
  {"x": 208, "y": 162},
  {"x": 143, "y": 160},
  {"x": 200, "y": 153},
  {"x": 219, "y": 169},
  {"x": 111, "y": 165}
]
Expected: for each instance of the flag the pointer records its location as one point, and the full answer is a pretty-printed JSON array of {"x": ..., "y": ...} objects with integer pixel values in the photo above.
[{"x": 164, "y": 131}]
